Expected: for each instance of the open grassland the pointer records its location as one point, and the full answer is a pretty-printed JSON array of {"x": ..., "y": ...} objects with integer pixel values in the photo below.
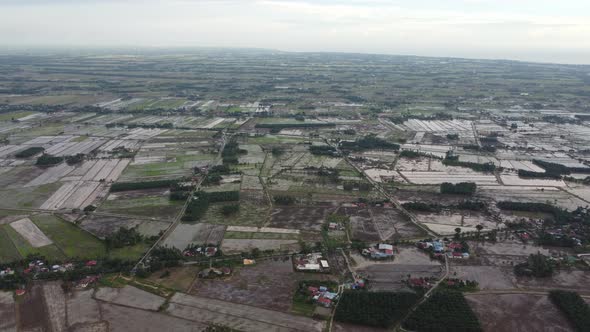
[
  {"x": 145, "y": 203},
  {"x": 73, "y": 241},
  {"x": 8, "y": 252},
  {"x": 24, "y": 248},
  {"x": 250, "y": 214}
]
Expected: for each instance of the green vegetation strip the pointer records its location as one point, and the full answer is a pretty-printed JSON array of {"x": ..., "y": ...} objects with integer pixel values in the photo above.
[
  {"x": 124, "y": 186},
  {"x": 381, "y": 309},
  {"x": 443, "y": 311},
  {"x": 574, "y": 308}
]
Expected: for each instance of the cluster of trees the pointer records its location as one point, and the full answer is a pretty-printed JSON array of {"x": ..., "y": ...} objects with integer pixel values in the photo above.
[
  {"x": 48, "y": 160},
  {"x": 573, "y": 306},
  {"x": 547, "y": 239},
  {"x": 123, "y": 238},
  {"x": 475, "y": 147},
  {"x": 461, "y": 188},
  {"x": 295, "y": 125},
  {"x": 196, "y": 207},
  {"x": 560, "y": 216},
  {"x": 75, "y": 159},
  {"x": 29, "y": 152},
  {"x": 284, "y": 200},
  {"x": 369, "y": 142},
  {"x": 166, "y": 125},
  {"x": 454, "y": 161},
  {"x": 80, "y": 270},
  {"x": 228, "y": 210},
  {"x": 201, "y": 200},
  {"x": 214, "y": 176},
  {"x": 323, "y": 150},
  {"x": 361, "y": 186},
  {"x": 415, "y": 154},
  {"x": 460, "y": 285},
  {"x": 381, "y": 309},
  {"x": 537, "y": 265},
  {"x": 538, "y": 175},
  {"x": 555, "y": 168},
  {"x": 445, "y": 310},
  {"x": 435, "y": 207},
  {"x": 124, "y": 186},
  {"x": 162, "y": 257},
  {"x": 231, "y": 152},
  {"x": 453, "y": 136}
]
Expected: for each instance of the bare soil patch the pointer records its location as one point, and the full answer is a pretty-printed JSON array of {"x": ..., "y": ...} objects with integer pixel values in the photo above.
[
  {"x": 33, "y": 315},
  {"x": 517, "y": 312},
  {"x": 300, "y": 217},
  {"x": 7, "y": 312},
  {"x": 238, "y": 316},
  {"x": 131, "y": 297},
  {"x": 268, "y": 284},
  {"x": 129, "y": 319},
  {"x": 28, "y": 230}
]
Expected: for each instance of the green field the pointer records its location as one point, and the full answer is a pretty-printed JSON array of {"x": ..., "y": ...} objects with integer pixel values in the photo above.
[
  {"x": 27, "y": 197},
  {"x": 73, "y": 241},
  {"x": 148, "y": 206},
  {"x": 179, "y": 165},
  {"x": 8, "y": 251},
  {"x": 260, "y": 236},
  {"x": 24, "y": 248},
  {"x": 14, "y": 115}
]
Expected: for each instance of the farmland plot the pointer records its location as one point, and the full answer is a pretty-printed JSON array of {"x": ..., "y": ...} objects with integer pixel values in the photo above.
[
  {"x": 153, "y": 203},
  {"x": 129, "y": 144},
  {"x": 75, "y": 195},
  {"x": 440, "y": 177},
  {"x": 7, "y": 312},
  {"x": 82, "y": 308},
  {"x": 435, "y": 150},
  {"x": 531, "y": 194},
  {"x": 144, "y": 134},
  {"x": 73, "y": 148},
  {"x": 517, "y": 312},
  {"x": 255, "y": 154},
  {"x": 439, "y": 126},
  {"x": 392, "y": 224},
  {"x": 300, "y": 217},
  {"x": 251, "y": 182},
  {"x": 121, "y": 318},
  {"x": 28, "y": 230},
  {"x": 8, "y": 150},
  {"x": 199, "y": 234},
  {"x": 130, "y": 297},
  {"x": 515, "y": 180},
  {"x": 238, "y": 316},
  {"x": 362, "y": 225},
  {"x": 245, "y": 245},
  {"x": 50, "y": 175},
  {"x": 255, "y": 286},
  {"x": 521, "y": 164}
]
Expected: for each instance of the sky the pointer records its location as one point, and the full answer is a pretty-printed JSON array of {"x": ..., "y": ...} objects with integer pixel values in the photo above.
[{"x": 532, "y": 30}]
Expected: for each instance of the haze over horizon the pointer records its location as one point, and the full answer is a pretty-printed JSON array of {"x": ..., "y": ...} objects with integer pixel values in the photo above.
[{"x": 541, "y": 31}]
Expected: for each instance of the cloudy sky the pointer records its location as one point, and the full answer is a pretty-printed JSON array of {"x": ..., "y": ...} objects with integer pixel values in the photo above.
[{"x": 537, "y": 30}]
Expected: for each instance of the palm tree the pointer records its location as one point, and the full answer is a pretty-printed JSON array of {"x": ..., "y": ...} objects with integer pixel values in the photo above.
[
  {"x": 457, "y": 233},
  {"x": 479, "y": 228}
]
